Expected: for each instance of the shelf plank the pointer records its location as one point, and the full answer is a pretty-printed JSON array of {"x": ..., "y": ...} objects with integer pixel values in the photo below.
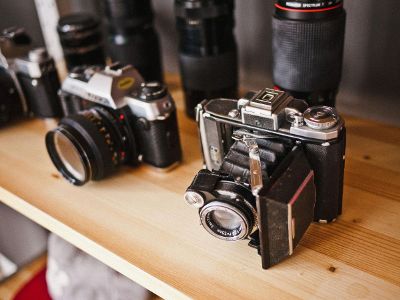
[{"x": 137, "y": 222}]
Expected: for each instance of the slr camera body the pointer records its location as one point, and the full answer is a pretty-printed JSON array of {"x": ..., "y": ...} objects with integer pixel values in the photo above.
[
  {"x": 273, "y": 165},
  {"x": 112, "y": 118},
  {"x": 28, "y": 79}
]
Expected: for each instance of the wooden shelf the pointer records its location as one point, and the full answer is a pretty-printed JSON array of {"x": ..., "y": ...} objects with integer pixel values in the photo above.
[{"x": 137, "y": 222}]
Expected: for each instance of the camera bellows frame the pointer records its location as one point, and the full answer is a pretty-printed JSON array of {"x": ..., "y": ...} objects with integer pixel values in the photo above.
[{"x": 285, "y": 209}]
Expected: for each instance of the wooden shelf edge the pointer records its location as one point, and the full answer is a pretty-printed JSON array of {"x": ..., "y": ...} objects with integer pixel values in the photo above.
[{"x": 112, "y": 260}]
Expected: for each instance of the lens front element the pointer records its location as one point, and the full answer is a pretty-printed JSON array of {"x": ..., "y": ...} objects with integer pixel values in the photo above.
[
  {"x": 69, "y": 156},
  {"x": 225, "y": 221}
]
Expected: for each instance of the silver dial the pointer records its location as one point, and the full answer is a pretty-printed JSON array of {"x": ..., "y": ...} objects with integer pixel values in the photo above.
[{"x": 320, "y": 117}]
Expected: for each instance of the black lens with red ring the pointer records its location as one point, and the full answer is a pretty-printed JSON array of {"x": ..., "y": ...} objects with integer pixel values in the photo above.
[{"x": 308, "y": 9}]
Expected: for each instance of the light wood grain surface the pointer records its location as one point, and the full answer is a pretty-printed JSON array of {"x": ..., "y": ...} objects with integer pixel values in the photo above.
[{"x": 137, "y": 222}]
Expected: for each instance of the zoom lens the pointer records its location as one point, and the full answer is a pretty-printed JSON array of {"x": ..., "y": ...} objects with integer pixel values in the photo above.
[
  {"x": 90, "y": 145},
  {"x": 307, "y": 48},
  {"x": 132, "y": 38},
  {"x": 81, "y": 39},
  {"x": 231, "y": 215},
  {"x": 207, "y": 50}
]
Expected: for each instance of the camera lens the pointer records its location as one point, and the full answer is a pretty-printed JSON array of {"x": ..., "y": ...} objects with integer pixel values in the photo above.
[
  {"x": 231, "y": 215},
  {"x": 69, "y": 156},
  {"x": 132, "y": 38},
  {"x": 90, "y": 145},
  {"x": 207, "y": 50},
  {"x": 228, "y": 219},
  {"x": 81, "y": 39},
  {"x": 307, "y": 48},
  {"x": 224, "y": 221}
]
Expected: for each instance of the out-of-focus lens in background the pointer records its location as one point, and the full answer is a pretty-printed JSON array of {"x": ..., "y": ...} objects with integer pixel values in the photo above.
[{"x": 370, "y": 83}]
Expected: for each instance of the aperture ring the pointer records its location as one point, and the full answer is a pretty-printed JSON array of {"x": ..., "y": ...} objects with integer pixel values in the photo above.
[{"x": 94, "y": 117}]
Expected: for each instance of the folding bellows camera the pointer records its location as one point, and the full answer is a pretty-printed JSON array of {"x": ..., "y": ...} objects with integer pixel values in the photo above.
[{"x": 273, "y": 165}]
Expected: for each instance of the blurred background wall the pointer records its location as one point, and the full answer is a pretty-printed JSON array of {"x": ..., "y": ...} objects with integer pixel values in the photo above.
[{"x": 371, "y": 73}]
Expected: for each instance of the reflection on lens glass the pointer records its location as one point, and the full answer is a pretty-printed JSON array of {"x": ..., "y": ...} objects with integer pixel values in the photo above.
[
  {"x": 226, "y": 219},
  {"x": 69, "y": 156}
]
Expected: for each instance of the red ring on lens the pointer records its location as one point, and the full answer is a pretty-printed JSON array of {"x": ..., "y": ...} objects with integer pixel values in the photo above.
[{"x": 309, "y": 10}]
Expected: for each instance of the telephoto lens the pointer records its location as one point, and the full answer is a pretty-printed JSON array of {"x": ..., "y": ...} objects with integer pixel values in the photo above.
[
  {"x": 207, "y": 50},
  {"x": 307, "y": 48},
  {"x": 132, "y": 38},
  {"x": 81, "y": 39}
]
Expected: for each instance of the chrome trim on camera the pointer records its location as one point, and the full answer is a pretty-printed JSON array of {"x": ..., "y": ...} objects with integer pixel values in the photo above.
[
  {"x": 107, "y": 87},
  {"x": 320, "y": 134}
]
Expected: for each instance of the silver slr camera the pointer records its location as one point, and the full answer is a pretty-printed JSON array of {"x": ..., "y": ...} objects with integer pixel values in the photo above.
[
  {"x": 112, "y": 117},
  {"x": 272, "y": 166},
  {"x": 28, "y": 78}
]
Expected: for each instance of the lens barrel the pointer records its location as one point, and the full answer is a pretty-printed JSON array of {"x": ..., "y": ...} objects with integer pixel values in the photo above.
[
  {"x": 132, "y": 38},
  {"x": 81, "y": 39},
  {"x": 231, "y": 215},
  {"x": 307, "y": 48},
  {"x": 207, "y": 50},
  {"x": 90, "y": 145}
]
